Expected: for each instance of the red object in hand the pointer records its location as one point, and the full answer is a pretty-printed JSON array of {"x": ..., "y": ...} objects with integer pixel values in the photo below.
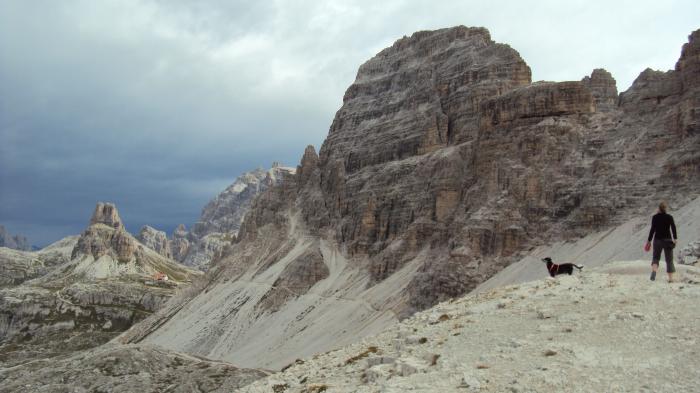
[{"x": 647, "y": 247}]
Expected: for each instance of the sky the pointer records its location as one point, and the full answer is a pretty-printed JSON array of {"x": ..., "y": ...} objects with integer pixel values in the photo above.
[{"x": 157, "y": 106}]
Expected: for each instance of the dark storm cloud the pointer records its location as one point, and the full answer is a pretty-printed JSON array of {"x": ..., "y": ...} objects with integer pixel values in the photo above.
[{"x": 158, "y": 105}]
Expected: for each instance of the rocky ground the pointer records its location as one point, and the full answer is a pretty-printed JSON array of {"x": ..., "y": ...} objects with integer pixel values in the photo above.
[
  {"x": 17, "y": 242},
  {"x": 605, "y": 330},
  {"x": 81, "y": 291},
  {"x": 126, "y": 369},
  {"x": 18, "y": 266},
  {"x": 221, "y": 218}
]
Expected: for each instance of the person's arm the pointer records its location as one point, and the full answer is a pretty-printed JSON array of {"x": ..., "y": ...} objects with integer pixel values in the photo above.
[
  {"x": 673, "y": 229},
  {"x": 652, "y": 230}
]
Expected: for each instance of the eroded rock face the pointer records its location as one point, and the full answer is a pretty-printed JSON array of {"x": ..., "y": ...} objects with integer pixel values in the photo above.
[
  {"x": 155, "y": 240},
  {"x": 442, "y": 167},
  {"x": 225, "y": 212},
  {"x": 180, "y": 244},
  {"x": 17, "y": 266},
  {"x": 106, "y": 213},
  {"x": 534, "y": 103},
  {"x": 99, "y": 240},
  {"x": 221, "y": 218},
  {"x": 603, "y": 88}
]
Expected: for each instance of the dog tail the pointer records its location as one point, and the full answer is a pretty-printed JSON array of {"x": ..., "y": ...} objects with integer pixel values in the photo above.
[{"x": 577, "y": 266}]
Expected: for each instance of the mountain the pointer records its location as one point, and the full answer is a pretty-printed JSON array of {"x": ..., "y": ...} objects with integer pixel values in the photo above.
[
  {"x": 17, "y": 242},
  {"x": 81, "y": 291},
  {"x": 18, "y": 266},
  {"x": 599, "y": 331},
  {"x": 444, "y": 165},
  {"x": 221, "y": 218},
  {"x": 155, "y": 240}
]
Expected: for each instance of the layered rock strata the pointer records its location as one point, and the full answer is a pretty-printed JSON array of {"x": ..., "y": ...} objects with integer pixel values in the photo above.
[
  {"x": 155, "y": 240},
  {"x": 221, "y": 218},
  {"x": 444, "y": 165},
  {"x": 541, "y": 336}
]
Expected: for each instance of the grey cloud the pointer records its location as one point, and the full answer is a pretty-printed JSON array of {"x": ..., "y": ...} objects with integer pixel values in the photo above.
[{"x": 157, "y": 105}]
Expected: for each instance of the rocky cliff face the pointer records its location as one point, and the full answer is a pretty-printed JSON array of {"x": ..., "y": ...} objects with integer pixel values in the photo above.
[
  {"x": 603, "y": 89},
  {"x": 155, "y": 240},
  {"x": 81, "y": 291},
  {"x": 16, "y": 242},
  {"x": 106, "y": 214},
  {"x": 444, "y": 165},
  {"x": 221, "y": 218}
]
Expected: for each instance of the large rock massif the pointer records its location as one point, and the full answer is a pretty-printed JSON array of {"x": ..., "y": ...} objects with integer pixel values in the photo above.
[
  {"x": 81, "y": 291},
  {"x": 605, "y": 330},
  {"x": 444, "y": 165},
  {"x": 220, "y": 220}
]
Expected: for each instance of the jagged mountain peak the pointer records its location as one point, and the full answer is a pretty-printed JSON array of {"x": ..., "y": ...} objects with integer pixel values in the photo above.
[
  {"x": 106, "y": 249},
  {"x": 221, "y": 217},
  {"x": 225, "y": 212},
  {"x": 107, "y": 214}
]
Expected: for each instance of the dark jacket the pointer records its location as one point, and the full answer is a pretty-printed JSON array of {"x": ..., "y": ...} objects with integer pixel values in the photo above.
[{"x": 661, "y": 226}]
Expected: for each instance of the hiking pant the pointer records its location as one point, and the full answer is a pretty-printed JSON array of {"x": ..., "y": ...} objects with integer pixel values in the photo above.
[{"x": 666, "y": 245}]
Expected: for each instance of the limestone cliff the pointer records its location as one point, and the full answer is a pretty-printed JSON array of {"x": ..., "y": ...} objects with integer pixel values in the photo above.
[
  {"x": 444, "y": 165},
  {"x": 599, "y": 331},
  {"x": 221, "y": 218}
]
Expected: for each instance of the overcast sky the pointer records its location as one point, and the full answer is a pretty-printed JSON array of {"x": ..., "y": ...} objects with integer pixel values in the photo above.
[{"x": 159, "y": 105}]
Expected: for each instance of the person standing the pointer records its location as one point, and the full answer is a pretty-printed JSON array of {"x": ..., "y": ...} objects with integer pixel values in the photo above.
[{"x": 663, "y": 232}]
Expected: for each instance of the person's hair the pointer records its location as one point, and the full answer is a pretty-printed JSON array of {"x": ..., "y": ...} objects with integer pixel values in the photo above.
[{"x": 662, "y": 207}]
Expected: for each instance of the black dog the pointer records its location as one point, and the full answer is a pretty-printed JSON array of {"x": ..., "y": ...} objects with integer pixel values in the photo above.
[{"x": 555, "y": 269}]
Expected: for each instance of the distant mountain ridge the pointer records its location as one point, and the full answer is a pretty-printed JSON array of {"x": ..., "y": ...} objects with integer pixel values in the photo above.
[
  {"x": 16, "y": 242},
  {"x": 220, "y": 220}
]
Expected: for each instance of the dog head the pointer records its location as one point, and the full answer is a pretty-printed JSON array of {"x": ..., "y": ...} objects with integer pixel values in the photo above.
[{"x": 547, "y": 260}]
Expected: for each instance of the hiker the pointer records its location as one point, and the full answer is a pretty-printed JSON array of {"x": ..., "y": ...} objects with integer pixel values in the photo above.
[{"x": 661, "y": 227}]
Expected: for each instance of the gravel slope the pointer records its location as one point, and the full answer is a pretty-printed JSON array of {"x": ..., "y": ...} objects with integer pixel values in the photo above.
[{"x": 607, "y": 330}]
